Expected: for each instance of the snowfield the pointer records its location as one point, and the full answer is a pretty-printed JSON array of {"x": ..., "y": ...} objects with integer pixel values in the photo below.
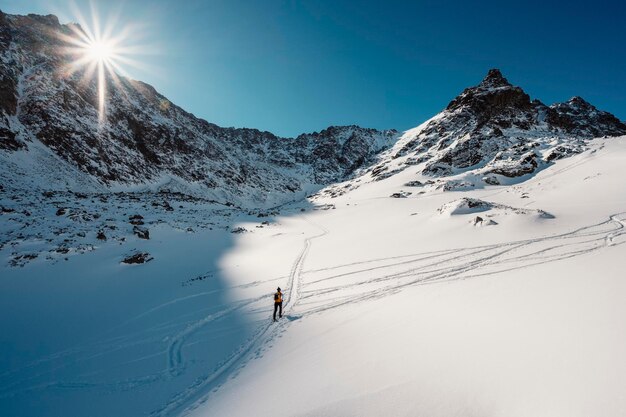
[{"x": 394, "y": 306}]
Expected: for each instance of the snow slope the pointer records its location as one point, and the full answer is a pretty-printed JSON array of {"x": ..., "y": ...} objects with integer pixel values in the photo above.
[
  {"x": 393, "y": 305},
  {"x": 403, "y": 311}
]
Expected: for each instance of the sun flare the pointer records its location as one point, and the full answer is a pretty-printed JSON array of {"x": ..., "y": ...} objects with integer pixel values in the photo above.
[{"x": 100, "y": 50}]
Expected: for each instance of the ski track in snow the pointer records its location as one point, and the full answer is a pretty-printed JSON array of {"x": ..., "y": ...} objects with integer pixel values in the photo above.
[
  {"x": 462, "y": 263},
  {"x": 176, "y": 359},
  {"x": 253, "y": 347}
]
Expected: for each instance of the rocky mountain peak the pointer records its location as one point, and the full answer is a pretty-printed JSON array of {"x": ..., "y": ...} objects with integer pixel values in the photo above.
[
  {"x": 494, "y": 95},
  {"x": 580, "y": 103},
  {"x": 578, "y": 100},
  {"x": 494, "y": 79},
  {"x": 494, "y": 130}
]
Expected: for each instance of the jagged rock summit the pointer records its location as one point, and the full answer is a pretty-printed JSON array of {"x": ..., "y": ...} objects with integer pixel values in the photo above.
[
  {"x": 494, "y": 79},
  {"x": 494, "y": 96}
]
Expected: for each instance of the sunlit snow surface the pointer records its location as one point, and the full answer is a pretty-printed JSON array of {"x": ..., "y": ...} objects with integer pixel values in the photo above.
[{"x": 394, "y": 306}]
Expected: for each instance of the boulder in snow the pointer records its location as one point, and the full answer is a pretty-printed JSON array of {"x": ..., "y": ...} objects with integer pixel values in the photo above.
[
  {"x": 465, "y": 205},
  {"x": 479, "y": 222},
  {"x": 401, "y": 194},
  {"x": 141, "y": 232},
  {"x": 137, "y": 258}
]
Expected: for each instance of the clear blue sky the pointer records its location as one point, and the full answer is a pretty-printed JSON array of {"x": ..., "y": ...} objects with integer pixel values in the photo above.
[{"x": 291, "y": 67}]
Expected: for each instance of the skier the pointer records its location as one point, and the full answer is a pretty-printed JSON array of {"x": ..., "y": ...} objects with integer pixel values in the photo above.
[{"x": 278, "y": 303}]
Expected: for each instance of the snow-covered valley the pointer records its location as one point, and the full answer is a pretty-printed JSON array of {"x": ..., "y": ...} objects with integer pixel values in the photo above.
[{"x": 408, "y": 306}]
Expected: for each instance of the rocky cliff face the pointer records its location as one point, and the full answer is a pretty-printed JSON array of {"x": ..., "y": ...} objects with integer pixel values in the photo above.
[{"x": 145, "y": 138}]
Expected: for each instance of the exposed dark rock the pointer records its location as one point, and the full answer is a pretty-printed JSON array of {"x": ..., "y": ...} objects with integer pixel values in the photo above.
[
  {"x": 8, "y": 139},
  {"x": 562, "y": 151},
  {"x": 21, "y": 260},
  {"x": 137, "y": 258},
  {"x": 141, "y": 232},
  {"x": 479, "y": 221},
  {"x": 136, "y": 220},
  {"x": 491, "y": 180},
  {"x": 526, "y": 165},
  {"x": 579, "y": 118},
  {"x": 384, "y": 174}
]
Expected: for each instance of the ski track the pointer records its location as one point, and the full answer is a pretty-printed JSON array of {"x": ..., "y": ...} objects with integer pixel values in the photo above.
[
  {"x": 495, "y": 259},
  {"x": 175, "y": 349},
  {"x": 196, "y": 394}
]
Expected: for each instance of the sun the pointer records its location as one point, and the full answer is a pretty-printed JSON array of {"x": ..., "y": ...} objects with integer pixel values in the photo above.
[
  {"x": 100, "y": 49},
  {"x": 97, "y": 55}
]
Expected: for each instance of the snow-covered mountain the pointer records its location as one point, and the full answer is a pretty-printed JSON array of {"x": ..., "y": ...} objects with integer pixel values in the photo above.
[
  {"x": 492, "y": 133},
  {"x": 146, "y": 139},
  {"x": 49, "y": 118}
]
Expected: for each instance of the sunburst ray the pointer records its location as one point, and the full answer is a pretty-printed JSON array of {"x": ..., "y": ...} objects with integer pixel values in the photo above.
[{"x": 100, "y": 49}]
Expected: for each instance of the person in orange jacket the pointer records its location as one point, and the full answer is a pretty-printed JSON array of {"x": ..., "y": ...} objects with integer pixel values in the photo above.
[{"x": 278, "y": 303}]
